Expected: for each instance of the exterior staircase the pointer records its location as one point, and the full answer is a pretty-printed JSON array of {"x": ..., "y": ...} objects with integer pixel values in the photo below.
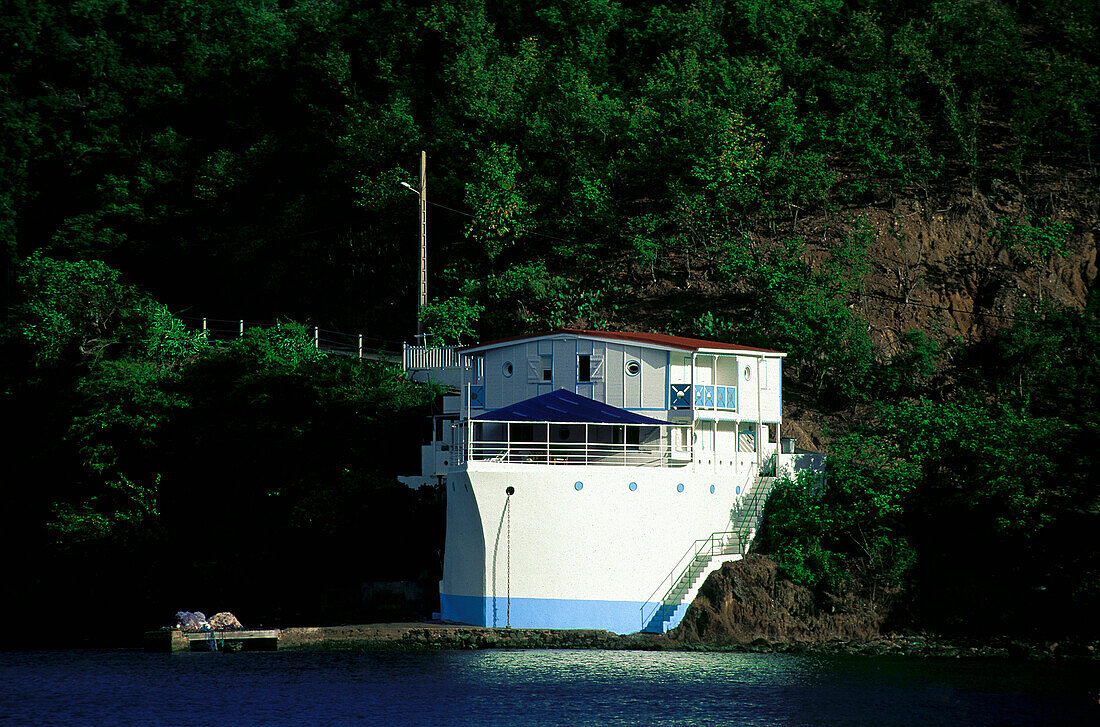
[{"x": 702, "y": 557}]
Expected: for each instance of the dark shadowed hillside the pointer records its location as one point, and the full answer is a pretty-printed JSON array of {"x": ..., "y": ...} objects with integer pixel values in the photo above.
[{"x": 902, "y": 196}]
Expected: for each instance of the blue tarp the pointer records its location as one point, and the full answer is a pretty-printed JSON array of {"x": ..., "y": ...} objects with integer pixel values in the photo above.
[{"x": 565, "y": 406}]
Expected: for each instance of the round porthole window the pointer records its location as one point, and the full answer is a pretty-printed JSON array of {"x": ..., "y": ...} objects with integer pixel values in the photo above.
[
  {"x": 712, "y": 489},
  {"x": 578, "y": 486},
  {"x": 748, "y": 373},
  {"x": 680, "y": 487},
  {"x": 633, "y": 486},
  {"x": 506, "y": 369},
  {"x": 633, "y": 368}
]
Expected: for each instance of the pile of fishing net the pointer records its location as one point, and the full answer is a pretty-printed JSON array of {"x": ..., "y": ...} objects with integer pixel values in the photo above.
[{"x": 197, "y": 621}]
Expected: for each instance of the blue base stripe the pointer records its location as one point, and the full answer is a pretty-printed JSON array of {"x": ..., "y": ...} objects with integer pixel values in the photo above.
[{"x": 621, "y": 617}]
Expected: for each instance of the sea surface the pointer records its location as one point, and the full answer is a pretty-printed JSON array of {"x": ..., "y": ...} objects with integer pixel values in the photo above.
[{"x": 536, "y": 688}]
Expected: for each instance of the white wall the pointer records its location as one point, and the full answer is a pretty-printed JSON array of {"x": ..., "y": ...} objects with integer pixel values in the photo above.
[
  {"x": 646, "y": 391},
  {"x": 609, "y": 382},
  {"x": 603, "y": 542}
]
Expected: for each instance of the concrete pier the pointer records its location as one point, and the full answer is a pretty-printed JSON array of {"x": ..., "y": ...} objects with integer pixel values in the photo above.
[
  {"x": 178, "y": 640},
  {"x": 417, "y": 636}
]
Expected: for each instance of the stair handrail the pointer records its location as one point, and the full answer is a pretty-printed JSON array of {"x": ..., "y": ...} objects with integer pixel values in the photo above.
[
  {"x": 748, "y": 515},
  {"x": 753, "y": 510},
  {"x": 677, "y": 573}
]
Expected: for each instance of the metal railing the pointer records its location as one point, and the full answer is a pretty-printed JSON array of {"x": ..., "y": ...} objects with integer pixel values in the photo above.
[
  {"x": 744, "y": 522},
  {"x": 432, "y": 357},
  {"x": 687, "y": 570},
  {"x": 337, "y": 342},
  {"x": 576, "y": 453},
  {"x": 747, "y": 518}
]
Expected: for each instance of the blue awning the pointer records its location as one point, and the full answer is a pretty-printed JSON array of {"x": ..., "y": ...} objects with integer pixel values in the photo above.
[{"x": 565, "y": 406}]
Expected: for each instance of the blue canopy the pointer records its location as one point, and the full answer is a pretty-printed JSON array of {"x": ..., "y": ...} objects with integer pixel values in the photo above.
[{"x": 565, "y": 406}]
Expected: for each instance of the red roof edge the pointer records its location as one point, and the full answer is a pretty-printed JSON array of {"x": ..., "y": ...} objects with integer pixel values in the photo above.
[{"x": 657, "y": 339}]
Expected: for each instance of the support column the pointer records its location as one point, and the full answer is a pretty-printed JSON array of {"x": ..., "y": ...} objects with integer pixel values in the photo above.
[{"x": 736, "y": 445}]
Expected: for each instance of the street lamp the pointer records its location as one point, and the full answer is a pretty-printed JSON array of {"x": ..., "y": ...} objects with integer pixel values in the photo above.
[{"x": 422, "y": 193}]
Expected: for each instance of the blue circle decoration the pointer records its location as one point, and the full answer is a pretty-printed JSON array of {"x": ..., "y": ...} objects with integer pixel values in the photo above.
[
  {"x": 506, "y": 369},
  {"x": 680, "y": 487},
  {"x": 633, "y": 486},
  {"x": 739, "y": 489},
  {"x": 578, "y": 486},
  {"x": 712, "y": 489}
]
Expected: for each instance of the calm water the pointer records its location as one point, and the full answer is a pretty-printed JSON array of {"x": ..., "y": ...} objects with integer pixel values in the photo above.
[{"x": 534, "y": 688}]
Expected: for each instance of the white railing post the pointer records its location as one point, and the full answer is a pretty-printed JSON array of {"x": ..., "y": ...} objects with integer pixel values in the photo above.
[
  {"x": 360, "y": 345},
  {"x": 240, "y": 328},
  {"x": 316, "y": 338},
  {"x": 204, "y": 333}
]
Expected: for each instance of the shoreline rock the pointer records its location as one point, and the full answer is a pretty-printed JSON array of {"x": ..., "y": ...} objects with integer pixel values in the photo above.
[
  {"x": 453, "y": 637},
  {"x": 747, "y": 600}
]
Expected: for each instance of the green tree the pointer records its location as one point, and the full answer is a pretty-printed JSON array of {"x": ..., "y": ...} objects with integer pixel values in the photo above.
[
  {"x": 82, "y": 312},
  {"x": 450, "y": 320},
  {"x": 808, "y": 312},
  {"x": 857, "y": 511}
]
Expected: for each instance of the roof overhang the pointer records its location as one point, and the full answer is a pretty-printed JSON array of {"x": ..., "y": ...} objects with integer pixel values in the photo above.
[
  {"x": 565, "y": 407},
  {"x": 646, "y": 340}
]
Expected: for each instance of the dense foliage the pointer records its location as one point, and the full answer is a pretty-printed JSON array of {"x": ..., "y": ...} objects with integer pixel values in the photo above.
[
  {"x": 243, "y": 155},
  {"x": 156, "y": 469},
  {"x": 243, "y": 158},
  {"x": 972, "y": 513}
]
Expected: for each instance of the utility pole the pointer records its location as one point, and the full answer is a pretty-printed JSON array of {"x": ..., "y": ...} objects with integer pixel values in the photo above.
[{"x": 422, "y": 293}]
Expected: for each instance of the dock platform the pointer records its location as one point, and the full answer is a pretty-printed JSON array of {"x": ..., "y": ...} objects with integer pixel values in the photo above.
[{"x": 179, "y": 640}]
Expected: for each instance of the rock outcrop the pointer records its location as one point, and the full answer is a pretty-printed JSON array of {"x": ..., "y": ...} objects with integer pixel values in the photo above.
[{"x": 747, "y": 601}]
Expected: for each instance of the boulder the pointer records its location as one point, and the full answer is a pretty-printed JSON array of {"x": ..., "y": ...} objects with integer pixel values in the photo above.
[{"x": 749, "y": 602}]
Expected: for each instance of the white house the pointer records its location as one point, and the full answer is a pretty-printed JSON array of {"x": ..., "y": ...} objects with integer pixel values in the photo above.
[{"x": 593, "y": 477}]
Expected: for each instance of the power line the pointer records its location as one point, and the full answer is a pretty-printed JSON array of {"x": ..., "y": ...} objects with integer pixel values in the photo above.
[{"x": 467, "y": 214}]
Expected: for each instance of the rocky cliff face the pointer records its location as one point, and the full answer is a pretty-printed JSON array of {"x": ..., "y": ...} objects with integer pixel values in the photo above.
[
  {"x": 937, "y": 264},
  {"x": 747, "y": 600}
]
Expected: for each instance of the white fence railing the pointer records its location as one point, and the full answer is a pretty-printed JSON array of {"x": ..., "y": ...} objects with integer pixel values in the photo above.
[
  {"x": 432, "y": 357},
  {"x": 654, "y": 454},
  {"x": 338, "y": 342}
]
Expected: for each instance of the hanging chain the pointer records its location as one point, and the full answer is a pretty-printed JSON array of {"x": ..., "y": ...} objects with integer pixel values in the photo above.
[{"x": 508, "y": 513}]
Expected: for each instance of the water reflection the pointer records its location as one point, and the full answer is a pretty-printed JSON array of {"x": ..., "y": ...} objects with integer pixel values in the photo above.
[{"x": 534, "y": 688}]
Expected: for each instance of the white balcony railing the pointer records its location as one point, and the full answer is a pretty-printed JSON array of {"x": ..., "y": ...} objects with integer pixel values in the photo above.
[
  {"x": 432, "y": 357},
  {"x": 577, "y": 453},
  {"x": 590, "y": 446}
]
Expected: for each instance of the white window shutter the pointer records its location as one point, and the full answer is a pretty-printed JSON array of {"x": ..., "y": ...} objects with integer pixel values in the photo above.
[
  {"x": 597, "y": 368},
  {"x": 534, "y": 368}
]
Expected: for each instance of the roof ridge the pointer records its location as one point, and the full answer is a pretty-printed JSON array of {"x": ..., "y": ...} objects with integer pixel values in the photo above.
[{"x": 658, "y": 339}]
